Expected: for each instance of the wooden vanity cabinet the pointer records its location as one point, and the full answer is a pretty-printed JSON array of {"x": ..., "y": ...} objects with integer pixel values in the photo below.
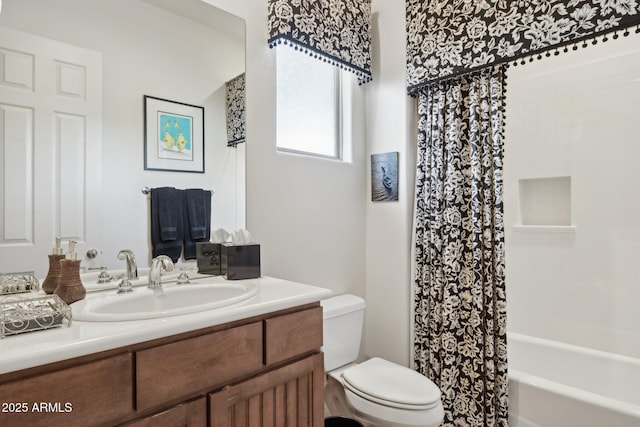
[{"x": 263, "y": 371}]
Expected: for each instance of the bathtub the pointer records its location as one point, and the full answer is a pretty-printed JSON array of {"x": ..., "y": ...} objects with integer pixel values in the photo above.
[{"x": 552, "y": 384}]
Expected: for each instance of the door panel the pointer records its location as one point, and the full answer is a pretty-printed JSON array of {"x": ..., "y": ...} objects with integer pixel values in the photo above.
[{"x": 50, "y": 143}]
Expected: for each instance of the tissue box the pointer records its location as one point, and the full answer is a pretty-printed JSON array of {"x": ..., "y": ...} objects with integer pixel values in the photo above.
[
  {"x": 209, "y": 258},
  {"x": 240, "y": 261}
]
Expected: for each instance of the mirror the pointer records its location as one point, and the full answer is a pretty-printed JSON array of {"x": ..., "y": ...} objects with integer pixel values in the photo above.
[{"x": 183, "y": 51}]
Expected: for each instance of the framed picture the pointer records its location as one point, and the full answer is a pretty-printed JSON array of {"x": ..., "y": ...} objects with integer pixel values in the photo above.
[
  {"x": 173, "y": 136},
  {"x": 384, "y": 177}
]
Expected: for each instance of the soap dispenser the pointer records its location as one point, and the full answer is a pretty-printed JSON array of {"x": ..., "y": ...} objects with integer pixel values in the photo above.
[
  {"x": 52, "y": 280},
  {"x": 70, "y": 288}
]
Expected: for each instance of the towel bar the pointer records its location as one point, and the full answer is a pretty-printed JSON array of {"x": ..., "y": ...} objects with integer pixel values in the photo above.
[{"x": 147, "y": 190}]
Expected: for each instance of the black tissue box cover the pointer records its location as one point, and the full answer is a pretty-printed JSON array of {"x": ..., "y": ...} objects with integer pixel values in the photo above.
[
  {"x": 209, "y": 258},
  {"x": 240, "y": 261}
]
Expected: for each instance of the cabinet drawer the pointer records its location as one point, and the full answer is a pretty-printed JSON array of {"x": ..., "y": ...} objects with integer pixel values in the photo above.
[
  {"x": 93, "y": 394},
  {"x": 292, "y": 335},
  {"x": 172, "y": 371}
]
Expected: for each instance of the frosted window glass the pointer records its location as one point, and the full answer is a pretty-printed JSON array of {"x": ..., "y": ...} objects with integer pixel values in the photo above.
[{"x": 307, "y": 104}]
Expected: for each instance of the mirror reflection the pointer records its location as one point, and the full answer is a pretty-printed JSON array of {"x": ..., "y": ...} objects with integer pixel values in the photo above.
[{"x": 71, "y": 112}]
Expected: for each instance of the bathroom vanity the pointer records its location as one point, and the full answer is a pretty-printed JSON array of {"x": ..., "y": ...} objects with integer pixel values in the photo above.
[{"x": 233, "y": 366}]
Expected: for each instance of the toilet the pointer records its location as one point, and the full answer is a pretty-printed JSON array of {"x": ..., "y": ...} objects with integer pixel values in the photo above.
[{"x": 376, "y": 392}]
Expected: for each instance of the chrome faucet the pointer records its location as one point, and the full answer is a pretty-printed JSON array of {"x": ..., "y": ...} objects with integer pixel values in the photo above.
[
  {"x": 158, "y": 265},
  {"x": 132, "y": 268}
]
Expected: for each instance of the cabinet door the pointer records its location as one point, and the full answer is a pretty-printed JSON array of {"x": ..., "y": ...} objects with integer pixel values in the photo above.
[
  {"x": 189, "y": 414},
  {"x": 290, "y": 396}
]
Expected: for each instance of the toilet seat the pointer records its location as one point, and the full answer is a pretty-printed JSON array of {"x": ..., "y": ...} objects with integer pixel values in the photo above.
[{"x": 391, "y": 385}]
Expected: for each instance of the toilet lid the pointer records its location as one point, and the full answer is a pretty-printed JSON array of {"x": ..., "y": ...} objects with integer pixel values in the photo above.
[{"x": 391, "y": 384}]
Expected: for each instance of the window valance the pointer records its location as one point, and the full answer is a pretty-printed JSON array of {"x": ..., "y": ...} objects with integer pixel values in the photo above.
[
  {"x": 236, "y": 125},
  {"x": 337, "y": 31},
  {"x": 452, "y": 37}
]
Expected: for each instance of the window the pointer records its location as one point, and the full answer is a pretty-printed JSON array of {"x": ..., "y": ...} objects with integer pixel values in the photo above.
[{"x": 309, "y": 119}]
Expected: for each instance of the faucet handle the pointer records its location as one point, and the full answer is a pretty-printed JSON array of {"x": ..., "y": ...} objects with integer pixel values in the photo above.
[
  {"x": 183, "y": 279},
  {"x": 124, "y": 286}
]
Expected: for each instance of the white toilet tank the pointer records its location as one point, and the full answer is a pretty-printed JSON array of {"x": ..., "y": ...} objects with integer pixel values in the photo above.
[{"x": 343, "y": 319}]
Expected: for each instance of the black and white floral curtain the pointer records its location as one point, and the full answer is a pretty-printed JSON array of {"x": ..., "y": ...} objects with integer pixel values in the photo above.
[
  {"x": 459, "y": 297},
  {"x": 453, "y": 37},
  {"x": 335, "y": 31},
  {"x": 235, "y": 100}
]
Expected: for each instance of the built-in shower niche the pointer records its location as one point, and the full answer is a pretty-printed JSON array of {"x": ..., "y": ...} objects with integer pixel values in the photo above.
[{"x": 545, "y": 203}]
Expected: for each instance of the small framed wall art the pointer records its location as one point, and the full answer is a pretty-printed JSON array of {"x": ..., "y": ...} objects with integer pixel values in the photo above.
[
  {"x": 173, "y": 136},
  {"x": 384, "y": 177}
]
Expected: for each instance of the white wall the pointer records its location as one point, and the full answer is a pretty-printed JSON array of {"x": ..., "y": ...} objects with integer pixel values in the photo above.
[
  {"x": 307, "y": 214},
  {"x": 147, "y": 51},
  {"x": 577, "y": 115},
  {"x": 390, "y": 127}
]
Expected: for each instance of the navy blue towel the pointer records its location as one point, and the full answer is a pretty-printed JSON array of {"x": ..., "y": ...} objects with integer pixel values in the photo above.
[
  {"x": 167, "y": 219},
  {"x": 197, "y": 221}
]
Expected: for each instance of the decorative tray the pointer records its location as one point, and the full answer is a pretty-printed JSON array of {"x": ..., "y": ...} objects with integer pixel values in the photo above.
[
  {"x": 17, "y": 283},
  {"x": 19, "y": 314}
]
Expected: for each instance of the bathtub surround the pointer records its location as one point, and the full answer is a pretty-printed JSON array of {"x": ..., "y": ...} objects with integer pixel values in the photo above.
[
  {"x": 576, "y": 115},
  {"x": 460, "y": 302}
]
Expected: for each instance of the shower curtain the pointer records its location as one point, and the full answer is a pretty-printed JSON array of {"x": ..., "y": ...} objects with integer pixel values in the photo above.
[{"x": 459, "y": 288}]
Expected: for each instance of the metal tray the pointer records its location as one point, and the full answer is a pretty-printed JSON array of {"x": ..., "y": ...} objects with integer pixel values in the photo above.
[
  {"x": 19, "y": 314},
  {"x": 17, "y": 283}
]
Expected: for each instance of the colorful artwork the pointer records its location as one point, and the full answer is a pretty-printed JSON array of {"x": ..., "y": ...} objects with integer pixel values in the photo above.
[{"x": 175, "y": 137}]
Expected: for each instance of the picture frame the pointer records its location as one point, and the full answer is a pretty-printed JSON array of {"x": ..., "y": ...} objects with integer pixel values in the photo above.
[
  {"x": 384, "y": 177},
  {"x": 173, "y": 136}
]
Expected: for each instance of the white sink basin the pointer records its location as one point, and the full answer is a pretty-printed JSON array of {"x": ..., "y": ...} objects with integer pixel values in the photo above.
[{"x": 144, "y": 303}]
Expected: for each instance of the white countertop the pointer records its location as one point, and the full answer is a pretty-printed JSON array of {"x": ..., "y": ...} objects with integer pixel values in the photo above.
[{"x": 82, "y": 338}]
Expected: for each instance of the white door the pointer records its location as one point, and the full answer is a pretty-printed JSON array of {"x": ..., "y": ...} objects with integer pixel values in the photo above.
[{"x": 50, "y": 144}]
